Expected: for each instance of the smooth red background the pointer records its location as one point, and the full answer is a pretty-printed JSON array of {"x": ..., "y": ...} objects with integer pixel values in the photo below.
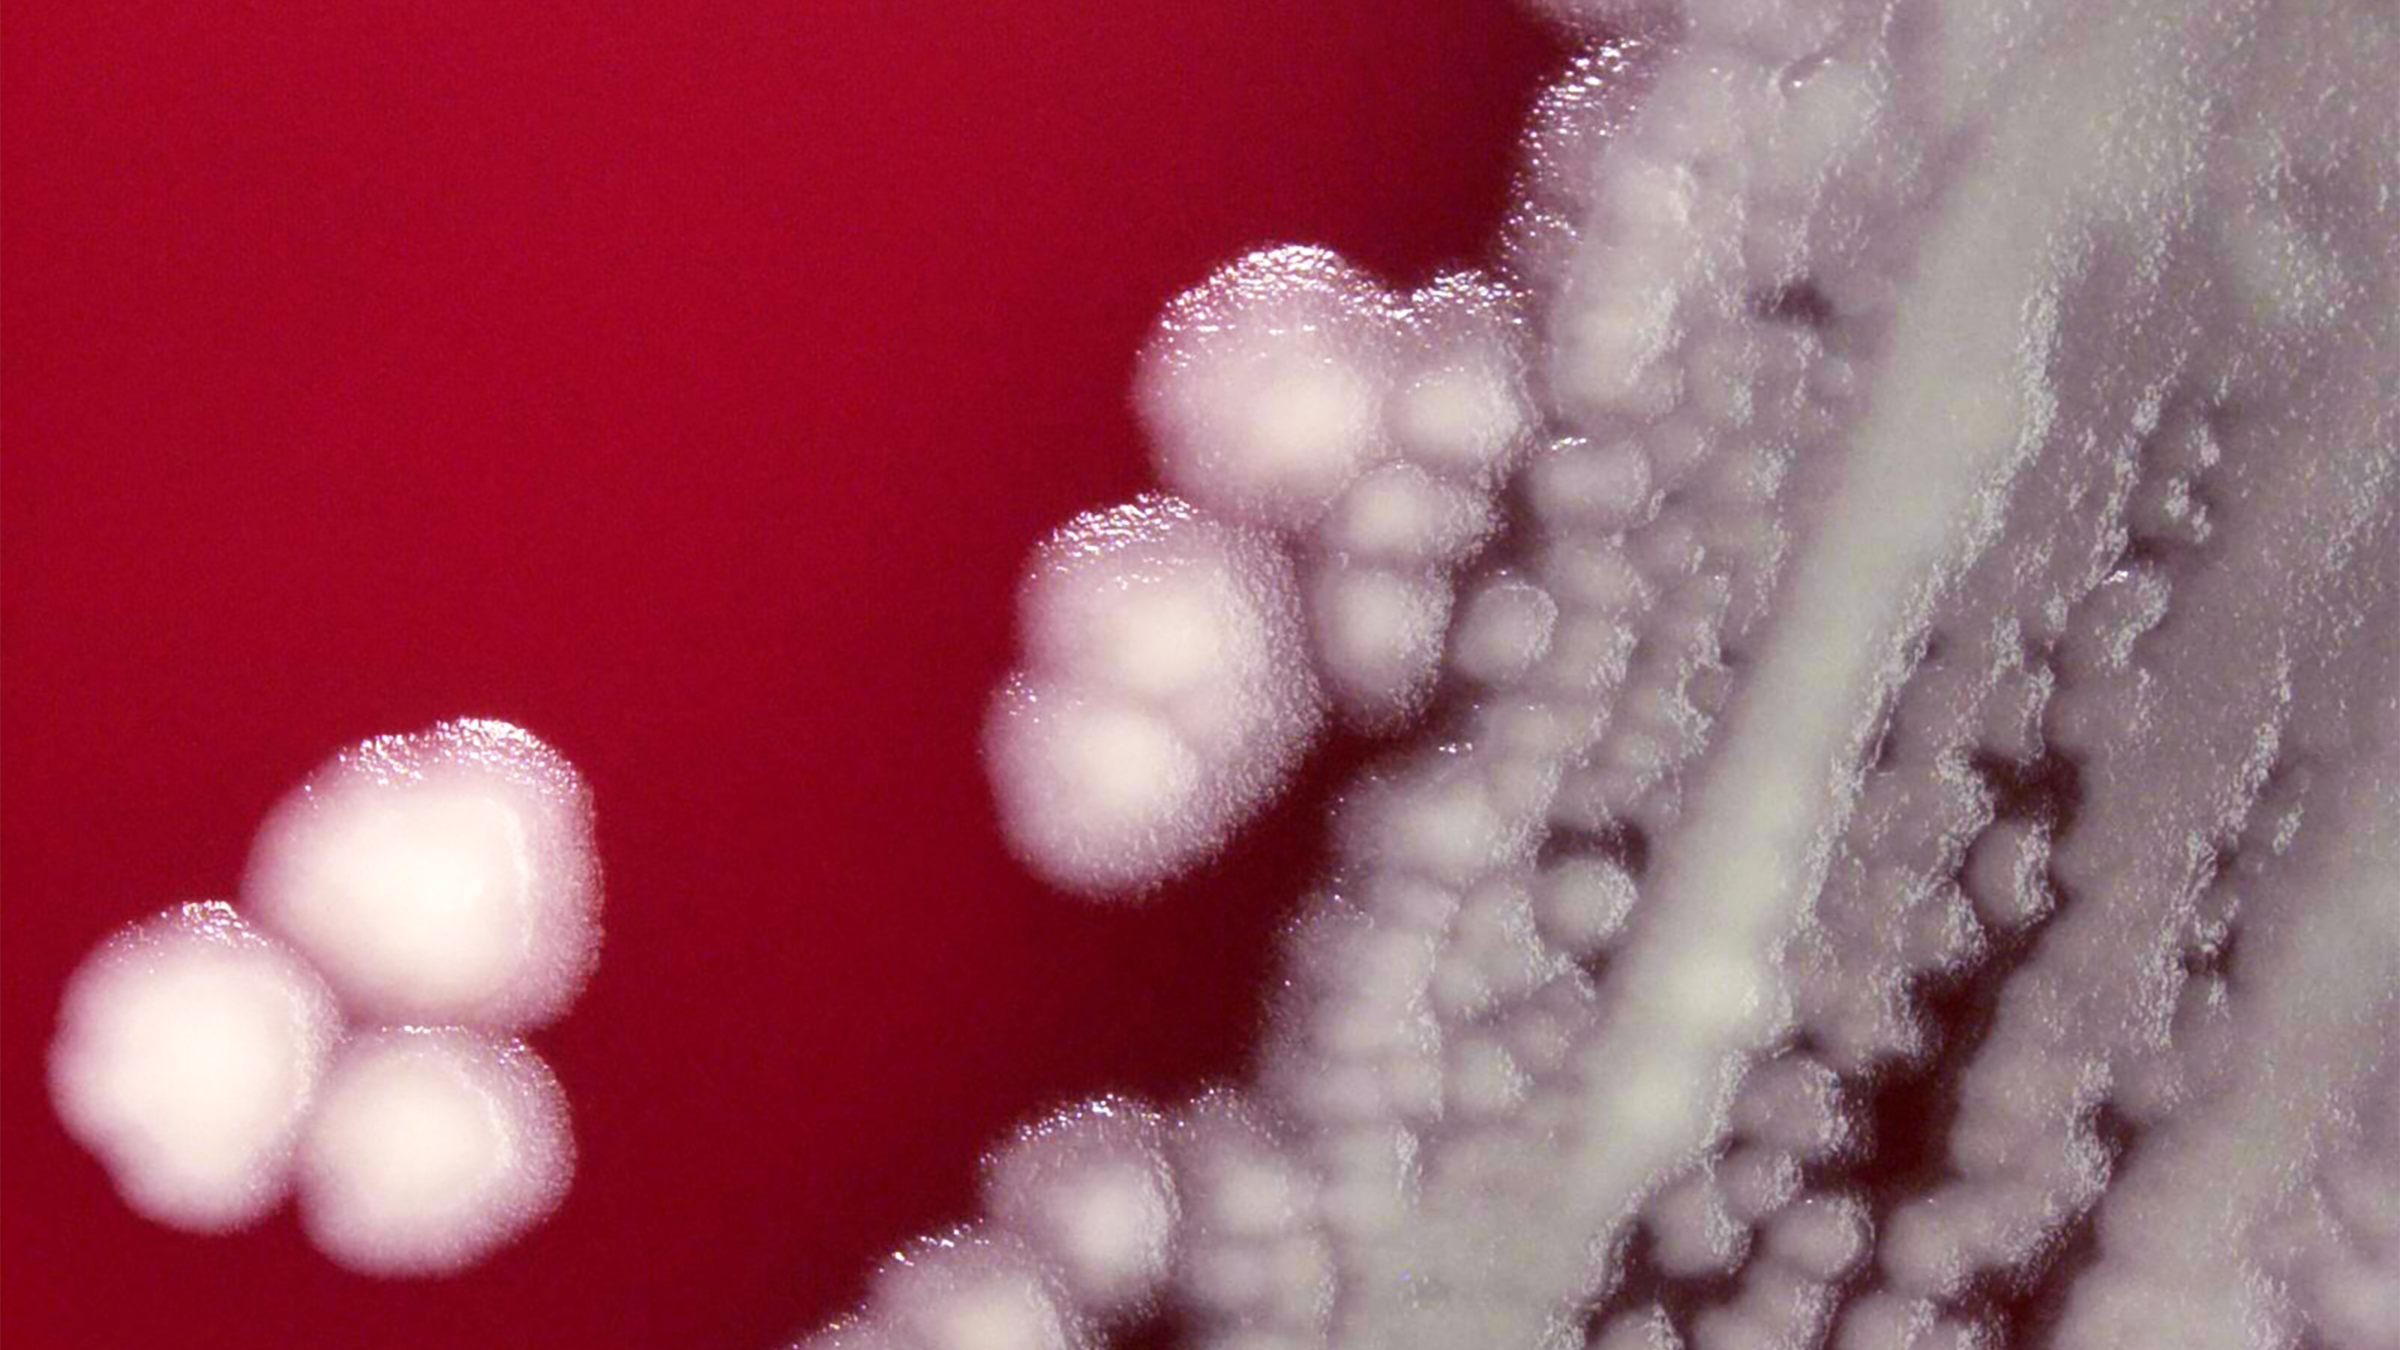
[{"x": 687, "y": 383}]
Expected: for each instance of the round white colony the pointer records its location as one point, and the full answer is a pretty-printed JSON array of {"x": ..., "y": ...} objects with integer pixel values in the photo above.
[
  {"x": 188, "y": 1050},
  {"x": 1090, "y": 1189},
  {"x": 1264, "y": 385},
  {"x": 442, "y": 877},
  {"x": 1167, "y": 694},
  {"x": 431, "y": 1149}
]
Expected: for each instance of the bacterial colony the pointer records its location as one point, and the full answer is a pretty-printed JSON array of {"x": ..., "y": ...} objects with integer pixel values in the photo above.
[{"x": 1882, "y": 602}]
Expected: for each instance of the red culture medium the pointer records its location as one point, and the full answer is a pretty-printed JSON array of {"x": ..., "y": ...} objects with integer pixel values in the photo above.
[{"x": 687, "y": 384}]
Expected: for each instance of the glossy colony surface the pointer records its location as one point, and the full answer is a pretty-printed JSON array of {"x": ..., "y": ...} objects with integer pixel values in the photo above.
[{"x": 1888, "y": 583}]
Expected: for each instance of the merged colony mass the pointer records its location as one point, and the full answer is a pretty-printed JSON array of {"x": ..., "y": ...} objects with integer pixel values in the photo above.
[{"x": 1881, "y": 604}]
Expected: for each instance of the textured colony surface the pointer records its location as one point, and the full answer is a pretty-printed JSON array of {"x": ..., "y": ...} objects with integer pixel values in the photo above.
[
  {"x": 430, "y": 1148},
  {"x": 1167, "y": 695},
  {"x": 1883, "y": 605},
  {"x": 446, "y": 876},
  {"x": 188, "y": 1050},
  {"x": 445, "y": 880}
]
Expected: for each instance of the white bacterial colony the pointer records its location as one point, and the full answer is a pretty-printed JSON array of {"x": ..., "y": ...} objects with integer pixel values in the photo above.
[
  {"x": 188, "y": 1051},
  {"x": 441, "y": 877},
  {"x": 347, "y": 1030},
  {"x": 429, "y": 1149},
  {"x": 1166, "y": 695},
  {"x": 1091, "y": 1191},
  {"x": 1887, "y": 608}
]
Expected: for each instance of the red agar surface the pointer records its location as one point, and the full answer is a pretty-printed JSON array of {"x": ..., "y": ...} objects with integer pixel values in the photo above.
[{"x": 687, "y": 384}]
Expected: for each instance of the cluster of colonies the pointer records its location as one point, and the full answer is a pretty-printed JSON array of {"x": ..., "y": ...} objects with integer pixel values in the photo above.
[
  {"x": 1894, "y": 579},
  {"x": 1181, "y": 651},
  {"x": 350, "y": 1030}
]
